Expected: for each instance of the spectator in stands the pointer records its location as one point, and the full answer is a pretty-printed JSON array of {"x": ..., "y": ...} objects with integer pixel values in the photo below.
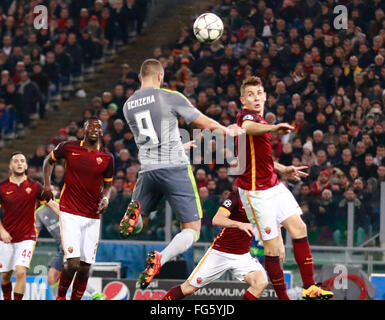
[
  {"x": 57, "y": 178},
  {"x": 30, "y": 96}
]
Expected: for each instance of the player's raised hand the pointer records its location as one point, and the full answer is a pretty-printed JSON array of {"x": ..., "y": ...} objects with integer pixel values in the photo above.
[
  {"x": 5, "y": 236},
  {"x": 296, "y": 173},
  {"x": 283, "y": 128},
  {"x": 189, "y": 145},
  {"x": 234, "y": 130},
  {"x": 247, "y": 227},
  {"x": 103, "y": 204},
  {"x": 47, "y": 194}
]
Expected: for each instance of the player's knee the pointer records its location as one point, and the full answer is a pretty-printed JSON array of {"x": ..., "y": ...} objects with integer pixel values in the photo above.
[
  {"x": 6, "y": 277},
  {"x": 272, "y": 251},
  {"x": 20, "y": 274},
  {"x": 258, "y": 281},
  {"x": 300, "y": 230}
]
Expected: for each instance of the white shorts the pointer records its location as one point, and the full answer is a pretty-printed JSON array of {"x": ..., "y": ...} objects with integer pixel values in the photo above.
[
  {"x": 16, "y": 254},
  {"x": 80, "y": 236},
  {"x": 266, "y": 209},
  {"x": 214, "y": 263}
]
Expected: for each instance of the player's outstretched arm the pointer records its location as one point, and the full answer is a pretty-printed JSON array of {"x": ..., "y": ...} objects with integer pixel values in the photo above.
[
  {"x": 204, "y": 122},
  {"x": 47, "y": 194},
  {"x": 221, "y": 220},
  {"x": 256, "y": 129},
  {"x": 292, "y": 172}
]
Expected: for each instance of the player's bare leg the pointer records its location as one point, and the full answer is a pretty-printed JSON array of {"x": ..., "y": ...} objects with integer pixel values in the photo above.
[
  {"x": 258, "y": 282},
  {"x": 53, "y": 277},
  {"x": 273, "y": 252},
  {"x": 180, "y": 243},
  {"x": 21, "y": 276},
  {"x": 304, "y": 258},
  {"x": 6, "y": 285},
  {"x": 180, "y": 291}
]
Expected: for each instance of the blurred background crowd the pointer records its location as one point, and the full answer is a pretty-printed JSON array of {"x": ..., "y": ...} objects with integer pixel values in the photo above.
[{"x": 329, "y": 84}]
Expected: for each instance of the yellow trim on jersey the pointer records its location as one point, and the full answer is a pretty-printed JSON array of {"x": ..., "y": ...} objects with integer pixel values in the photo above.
[
  {"x": 53, "y": 156},
  {"x": 253, "y": 166},
  {"x": 61, "y": 236},
  {"x": 254, "y": 216},
  {"x": 226, "y": 210},
  {"x": 206, "y": 255},
  {"x": 62, "y": 190},
  {"x": 174, "y": 91},
  {"x": 82, "y": 143}
]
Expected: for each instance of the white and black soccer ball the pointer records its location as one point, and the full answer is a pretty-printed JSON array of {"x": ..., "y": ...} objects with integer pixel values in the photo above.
[{"x": 208, "y": 28}]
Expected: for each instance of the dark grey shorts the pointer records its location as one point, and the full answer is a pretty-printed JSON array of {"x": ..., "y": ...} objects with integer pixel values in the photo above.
[
  {"x": 57, "y": 261},
  {"x": 177, "y": 185}
]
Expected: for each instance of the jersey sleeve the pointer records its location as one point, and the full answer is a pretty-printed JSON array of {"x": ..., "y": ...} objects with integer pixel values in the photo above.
[
  {"x": 248, "y": 116},
  {"x": 59, "y": 152},
  {"x": 182, "y": 107},
  {"x": 109, "y": 172},
  {"x": 231, "y": 203}
]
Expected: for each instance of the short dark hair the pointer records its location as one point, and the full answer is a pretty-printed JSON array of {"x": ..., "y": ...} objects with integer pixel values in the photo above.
[
  {"x": 150, "y": 67},
  {"x": 14, "y": 153}
]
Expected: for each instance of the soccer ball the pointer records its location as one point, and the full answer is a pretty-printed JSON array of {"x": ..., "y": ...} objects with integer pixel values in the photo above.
[{"x": 208, "y": 28}]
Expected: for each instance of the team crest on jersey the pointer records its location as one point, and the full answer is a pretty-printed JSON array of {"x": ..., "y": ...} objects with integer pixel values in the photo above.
[
  {"x": 99, "y": 160},
  {"x": 268, "y": 230},
  {"x": 28, "y": 190},
  {"x": 70, "y": 249},
  {"x": 199, "y": 280}
]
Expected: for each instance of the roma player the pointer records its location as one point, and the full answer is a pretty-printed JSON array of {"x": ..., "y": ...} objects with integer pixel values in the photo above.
[
  {"x": 89, "y": 172},
  {"x": 268, "y": 203}
]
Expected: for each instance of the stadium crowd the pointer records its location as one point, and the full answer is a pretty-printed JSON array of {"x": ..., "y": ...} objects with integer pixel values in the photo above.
[{"x": 329, "y": 84}]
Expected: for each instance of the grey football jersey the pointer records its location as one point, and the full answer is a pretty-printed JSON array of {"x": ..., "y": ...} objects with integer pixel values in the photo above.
[
  {"x": 152, "y": 115},
  {"x": 47, "y": 218}
]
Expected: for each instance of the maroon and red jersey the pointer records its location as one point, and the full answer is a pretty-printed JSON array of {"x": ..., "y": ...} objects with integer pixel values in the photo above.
[
  {"x": 233, "y": 240},
  {"x": 259, "y": 173},
  {"x": 19, "y": 204},
  {"x": 85, "y": 171}
]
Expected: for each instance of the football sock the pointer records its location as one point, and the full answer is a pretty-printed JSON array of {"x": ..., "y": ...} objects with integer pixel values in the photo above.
[
  {"x": 79, "y": 286},
  {"x": 7, "y": 291},
  {"x": 249, "y": 296},
  {"x": 175, "y": 293},
  {"x": 275, "y": 272},
  {"x": 304, "y": 259},
  {"x": 18, "y": 296},
  {"x": 179, "y": 244},
  {"x": 65, "y": 282}
]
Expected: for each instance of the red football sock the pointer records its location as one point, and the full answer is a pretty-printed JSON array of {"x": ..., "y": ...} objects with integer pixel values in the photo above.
[
  {"x": 304, "y": 258},
  {"x": 18, "y": 296},
  {"x": 175, "y": 293},
  {"x": 64, "y": 283},
  {"x": 275, "y": 272},
  {"x": 7, "y": 291},
  {"x": 249, "y": 296},
  {"x": 79, "y": 286}
]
